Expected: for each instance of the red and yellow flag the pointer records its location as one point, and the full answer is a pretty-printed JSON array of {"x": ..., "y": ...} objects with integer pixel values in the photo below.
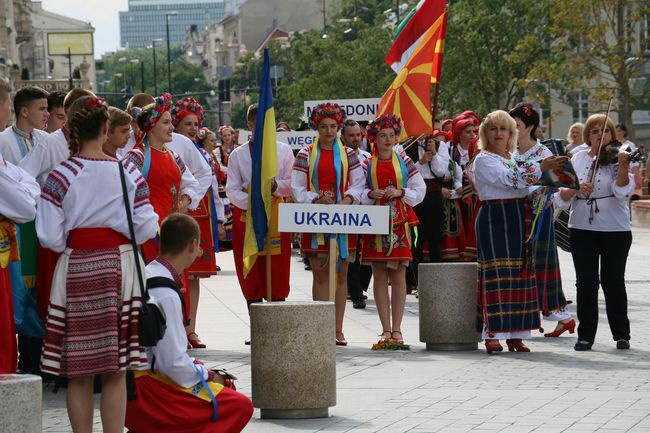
[{"x": 409, "y": 96}]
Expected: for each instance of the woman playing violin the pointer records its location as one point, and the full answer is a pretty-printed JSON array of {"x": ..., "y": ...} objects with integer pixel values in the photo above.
[{"x": 600, "y": 232}]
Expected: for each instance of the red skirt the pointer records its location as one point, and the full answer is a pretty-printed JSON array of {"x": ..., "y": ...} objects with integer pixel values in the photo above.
[
  {"x": 46, "y": 260},
  {"x": 162, "y": 408},
  {"x": 401, "y": 247},
  {"x": 306, "y": 247},
  {"x": 9, "y": 352},
  {"x": 206, "y": 264},
  {"x": 454, "y": 240},
  {"x": 470, "y": 207},
  {"x": 254, "y": 285}
]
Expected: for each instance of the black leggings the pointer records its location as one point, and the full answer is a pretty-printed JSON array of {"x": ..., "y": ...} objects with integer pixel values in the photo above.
[{"x": 611, "y": 249}]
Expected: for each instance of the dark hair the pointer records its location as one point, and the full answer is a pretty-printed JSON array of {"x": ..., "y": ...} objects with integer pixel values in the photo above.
[
  {"x": 527, "y": 114},
  {"x": 623, "y": 128},
  {"x": 72, "y": 96},
  {"x": 25, "y": 96},
  {"x": 88, "y": 115},
  {"x": 177, "y": 231},
  {"x": 5, "y": 90},
  {"x": 54, "y": 100},
  {"x": 349, "y": 123},
  {"x": 139, "y": 100},
  {"x": 251, "y": 113},
  {"x": 145, "y": 115}
]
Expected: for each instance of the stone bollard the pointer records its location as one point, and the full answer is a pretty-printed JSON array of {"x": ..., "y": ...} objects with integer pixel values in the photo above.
[
  {"x": 447, "y": 306},
  {"x": 293, "y": 359},
  {"x": 20, "y": 403}
]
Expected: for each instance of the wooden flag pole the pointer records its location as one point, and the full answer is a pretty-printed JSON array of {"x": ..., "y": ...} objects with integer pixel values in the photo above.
[
  {"x": 269, "y": 284},
  {"x": 412, "y": 142},
  {"x": 332, "y": 268}
]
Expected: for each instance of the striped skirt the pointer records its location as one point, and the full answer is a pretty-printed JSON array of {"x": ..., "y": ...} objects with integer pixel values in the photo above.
[
  {"x": 547, "y": 268},
  {"x": 507, "y": 295},
  {"x": 92, "y": 322}
]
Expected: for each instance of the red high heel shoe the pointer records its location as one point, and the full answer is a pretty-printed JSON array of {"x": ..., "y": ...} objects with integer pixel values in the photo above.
[
  {"x": 493, "y": 346},
  {"x": 569, "y": 326},
  {"x": 341, "y": 341},
  {"x": 194, "y": 341},
  {"x": 516, "y": 345}
]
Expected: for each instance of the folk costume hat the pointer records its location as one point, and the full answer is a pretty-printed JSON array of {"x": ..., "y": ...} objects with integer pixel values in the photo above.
[
  {"x": 186, "y": 106},
  {"x": 459, "y": 127},
  {"x": 327, "y": 111},
  {"x": 385, "y": 121}
]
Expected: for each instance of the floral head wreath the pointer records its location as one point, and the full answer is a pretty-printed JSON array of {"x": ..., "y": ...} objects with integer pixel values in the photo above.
[
  {"x": 224, "y": 127},
  {"x": 202, "y": 135},
  {"x": 385, "y": 121},
  {"x": 327, "y": 111},
  {"x": 186, "y": 106},
  {"x": 162, "y": 105}
]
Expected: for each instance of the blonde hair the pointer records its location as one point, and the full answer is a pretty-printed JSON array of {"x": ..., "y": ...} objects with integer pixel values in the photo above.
[
  {"x": 498, "y": 117},
  {"x": 118, "y": 117},
  {"x": 578, "y": 125},
  {"x": 597, "y": 119}
]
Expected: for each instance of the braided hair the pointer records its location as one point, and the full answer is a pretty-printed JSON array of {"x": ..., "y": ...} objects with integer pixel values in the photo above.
[{"x": 86, "y": 118}]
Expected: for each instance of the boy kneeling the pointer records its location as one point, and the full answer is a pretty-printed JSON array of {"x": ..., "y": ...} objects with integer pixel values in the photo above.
[{"x": 171, "y": 396}]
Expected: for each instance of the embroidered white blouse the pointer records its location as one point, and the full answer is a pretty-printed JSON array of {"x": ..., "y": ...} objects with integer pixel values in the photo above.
[
  {"x": 18, "y": 193},
  {"x": 495, "y": 177},
  {"x": 608, "y": 210},
  {"x": 46, "y": 155}
]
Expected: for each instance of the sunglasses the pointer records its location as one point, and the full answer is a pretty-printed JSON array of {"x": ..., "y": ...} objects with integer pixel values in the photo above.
[{"x": 595, "y": 131}]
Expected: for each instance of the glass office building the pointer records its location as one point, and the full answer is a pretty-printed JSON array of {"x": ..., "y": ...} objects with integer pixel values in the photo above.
[{"x": 145, "y": 20}]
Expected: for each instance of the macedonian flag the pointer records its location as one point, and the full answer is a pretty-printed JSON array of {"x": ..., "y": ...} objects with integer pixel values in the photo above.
[{"x": 409, "y": 96}]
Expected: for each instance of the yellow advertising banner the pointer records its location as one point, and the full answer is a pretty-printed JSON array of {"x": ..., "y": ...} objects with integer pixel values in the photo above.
[{"x": 78, "y": 43}]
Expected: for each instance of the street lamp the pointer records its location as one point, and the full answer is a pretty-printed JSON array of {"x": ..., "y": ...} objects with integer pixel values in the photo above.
[
  {"x": 155, "y": 71},
  {"x": 169, "y": 59},
  {"x": 123, "y": 75},
  {"x": 135, "y": 82}
]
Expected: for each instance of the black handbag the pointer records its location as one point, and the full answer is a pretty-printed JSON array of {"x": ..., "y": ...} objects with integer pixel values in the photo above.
[{"x": 151, "y": 323}]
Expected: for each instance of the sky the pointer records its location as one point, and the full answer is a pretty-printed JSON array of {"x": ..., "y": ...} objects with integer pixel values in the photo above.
[{"x": 102, "y": 14}]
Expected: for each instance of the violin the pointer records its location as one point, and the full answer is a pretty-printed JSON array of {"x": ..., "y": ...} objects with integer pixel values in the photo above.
[{"x": 609, "y": 153}]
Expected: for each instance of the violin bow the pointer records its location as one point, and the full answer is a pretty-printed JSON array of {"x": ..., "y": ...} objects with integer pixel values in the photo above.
[
  {"x": 411, "y": 142},
  {"x": 600, "y": 145}
]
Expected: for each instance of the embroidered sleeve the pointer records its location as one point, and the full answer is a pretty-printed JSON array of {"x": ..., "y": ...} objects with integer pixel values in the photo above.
[
  {"x": 301, "y": 163},
  {"x": 58, "y": 181},
  {"x": 136, "y": 157},
  {"x": 353, "y": 159}
]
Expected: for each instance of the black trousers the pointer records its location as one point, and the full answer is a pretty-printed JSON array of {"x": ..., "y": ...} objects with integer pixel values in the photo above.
[
  {"x": 430, "y": 214},
  {"x": 358, "y": 276},
  {"x": 609, "y": 250}
]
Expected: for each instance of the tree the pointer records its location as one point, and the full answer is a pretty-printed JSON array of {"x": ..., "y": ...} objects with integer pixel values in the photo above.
[
  {"x": 598, "y": 49},
  {"x": 490, "y": 49}
]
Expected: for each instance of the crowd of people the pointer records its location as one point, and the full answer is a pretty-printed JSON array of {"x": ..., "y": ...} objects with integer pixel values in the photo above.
[{"x": 91, "y": 193}]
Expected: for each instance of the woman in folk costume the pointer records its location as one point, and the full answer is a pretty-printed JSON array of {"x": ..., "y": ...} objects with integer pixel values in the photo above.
[
  {"x": 187, "y": 118},
  {"x": 172, "y": 186},
  {"x": 507, "y": 296},
  {"x": 227, "y": 136},
  {"x": 552, "y": 302},
  {"x": 391, "y": 180},
  {"x": 326, "y": 172},
  {"x": 207, "y": 142},
  {"x": 463, "y": 135},
  {"x": 92, "y": 322},
  {"x": 18, "y": 193}
]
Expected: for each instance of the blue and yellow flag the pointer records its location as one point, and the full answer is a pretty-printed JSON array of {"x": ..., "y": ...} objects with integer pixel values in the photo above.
[{"x": 264, "y": 156}]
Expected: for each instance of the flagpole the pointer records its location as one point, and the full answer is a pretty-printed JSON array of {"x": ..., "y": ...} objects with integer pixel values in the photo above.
[
  {"x": 269, "y": 283},
  {"x": 434, "y": 112}
]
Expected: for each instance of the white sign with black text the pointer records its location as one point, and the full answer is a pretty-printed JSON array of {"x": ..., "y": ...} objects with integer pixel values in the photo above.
[
  {"x": 332, "y": 218},
  {"x": 356, "y": 109},
  {"x": 296, "y": 139}
]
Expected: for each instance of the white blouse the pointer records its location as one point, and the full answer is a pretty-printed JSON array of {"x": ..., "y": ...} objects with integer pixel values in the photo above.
[
  {"x": 438, "y": 167},
  {"x": 12, "y": 151},
  {"x": 87, "y": 193},
  {"x": 18, "y": 193},
  {"x": 46, "y": 155},
  {"x": 495, "y": 177},
  {"x": 608, "y": 206},
  {"x": 240, "y": 168},
  {"x": 191, "y": 156},
  {"x": 171, "y": 355}
]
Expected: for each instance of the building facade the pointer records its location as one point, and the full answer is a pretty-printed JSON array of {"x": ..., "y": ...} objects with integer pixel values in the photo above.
[{"x": 145, "y": 20}]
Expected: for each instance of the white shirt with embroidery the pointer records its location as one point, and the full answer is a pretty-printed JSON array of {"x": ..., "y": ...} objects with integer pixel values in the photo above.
[
  {"x": 12, "y": 151},
  {"x": 495, "y": 177},
  {"x": 46, "y": 155},
  {"x": 18, "y": 193}
]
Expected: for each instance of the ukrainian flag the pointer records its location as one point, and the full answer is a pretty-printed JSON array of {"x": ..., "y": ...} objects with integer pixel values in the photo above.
[{"x": 264, "y": 156}]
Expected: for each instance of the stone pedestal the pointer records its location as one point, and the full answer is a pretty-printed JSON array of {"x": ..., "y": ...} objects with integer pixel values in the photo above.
[
  {"x": 447, "y": 306},
  {"x": 293, "y": 359},
  {"x": 20, "y": 403}
]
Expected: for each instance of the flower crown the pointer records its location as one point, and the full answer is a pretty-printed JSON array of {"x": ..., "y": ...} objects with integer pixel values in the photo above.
[
  {"x": 202, "y": 134},
  {"x": 327, "y": 111},
  {"x": 162, "y": 105},
  {"x": 224, "y": 127},
  {"x": 186, "y": 106},
  {"x": 384, "y": 121}
]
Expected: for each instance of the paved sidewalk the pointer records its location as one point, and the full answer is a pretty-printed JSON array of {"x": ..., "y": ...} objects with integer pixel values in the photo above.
[{"x": 552, "y": 389}]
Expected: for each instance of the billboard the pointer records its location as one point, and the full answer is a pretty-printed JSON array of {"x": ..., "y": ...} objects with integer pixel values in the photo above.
[{"x": 79, "y": 44}]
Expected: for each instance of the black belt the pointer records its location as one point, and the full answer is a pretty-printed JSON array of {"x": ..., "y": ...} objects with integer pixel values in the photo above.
[{"x": 592, "y": 202}]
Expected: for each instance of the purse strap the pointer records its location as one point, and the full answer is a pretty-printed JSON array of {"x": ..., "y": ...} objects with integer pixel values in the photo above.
[{"x": 143, "y": 289}]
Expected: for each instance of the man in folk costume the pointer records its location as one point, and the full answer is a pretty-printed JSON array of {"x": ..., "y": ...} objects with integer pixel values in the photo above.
[
  {"x": 18, "y": 193},
  {"x": 177, "y": 393},
  {"x": 187, "y": 117},
  {"x": 240, "y": 167},
  {"x": 16, "y": 142},
  {"x": 326, "y": 172}
]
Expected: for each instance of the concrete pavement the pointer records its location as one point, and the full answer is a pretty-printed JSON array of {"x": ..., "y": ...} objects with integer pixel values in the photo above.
[{"x": 551, "y": 389}]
